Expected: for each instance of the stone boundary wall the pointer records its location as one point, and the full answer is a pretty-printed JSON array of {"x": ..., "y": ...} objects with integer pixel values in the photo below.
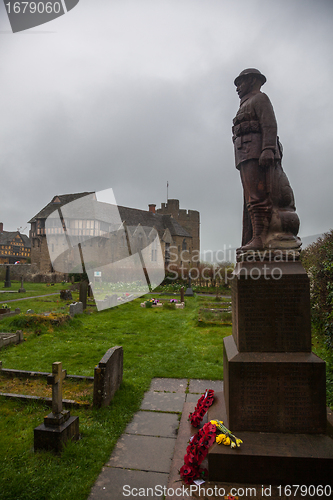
[
  {"x": 30, "y": 274},
  {"x": 18, "y": 270}
]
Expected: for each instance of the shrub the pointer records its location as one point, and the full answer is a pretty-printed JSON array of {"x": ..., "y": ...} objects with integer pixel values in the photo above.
[{"x": 317, "y": 260}]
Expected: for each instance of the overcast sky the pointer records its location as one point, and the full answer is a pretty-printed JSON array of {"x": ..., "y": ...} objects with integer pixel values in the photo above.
[{"x": 130, "y": 94}]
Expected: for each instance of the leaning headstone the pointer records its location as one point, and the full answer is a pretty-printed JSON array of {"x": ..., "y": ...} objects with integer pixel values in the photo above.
[
  {"x": 58, "y": 426},
  {"x": 108, "y": 376},
  {"x": 22, "y": 289},
  {"x": 7, "y": 279},
  {"x": 75, "y": 308}
]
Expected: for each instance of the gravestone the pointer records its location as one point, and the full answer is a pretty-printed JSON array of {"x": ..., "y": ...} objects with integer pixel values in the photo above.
[
  {"x": 182, "y": 294},
  {"x": 108, "y": 376},
  {"x": 83, "y": 290},
  {"x": 66, "y": 295},
  {"x": 75, "y": 308},
  {"x": 58, "y": 426},
  {"x": 7, "y": 279},
  {"x": 189, "y": 291},
  {"x": 22, "y": 289}
]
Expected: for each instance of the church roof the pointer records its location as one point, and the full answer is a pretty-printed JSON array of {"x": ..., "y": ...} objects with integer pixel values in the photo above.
[{"x": 132, "y": 217}]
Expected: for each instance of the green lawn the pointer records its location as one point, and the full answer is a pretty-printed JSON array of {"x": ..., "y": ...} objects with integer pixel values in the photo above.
[{"x": 156, "y": 343}]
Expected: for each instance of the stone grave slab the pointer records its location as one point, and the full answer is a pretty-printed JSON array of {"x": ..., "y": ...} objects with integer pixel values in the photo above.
[
  {"x": 163, "y": 401},
  {"x": 147, "y": 423},
  {"x": 169, "y": 384},
  {"x": 199, "y": 386},
  {"x": 75, "y": 308},
  {"x": 143, "y": 452},
  {"x": 111, "y": 482}
]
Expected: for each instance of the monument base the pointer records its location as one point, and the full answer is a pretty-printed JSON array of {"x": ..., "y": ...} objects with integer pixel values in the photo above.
[
  {"x": 53, "y": 437},
  {"x": 271, "y": 458},
  {"x": 274, "y": 391}
]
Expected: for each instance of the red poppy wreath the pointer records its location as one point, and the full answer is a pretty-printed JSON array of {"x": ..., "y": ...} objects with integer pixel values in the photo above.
[{"x": 200, "y": 410}]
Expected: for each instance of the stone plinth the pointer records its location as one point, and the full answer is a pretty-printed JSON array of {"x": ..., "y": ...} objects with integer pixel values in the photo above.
[
  {"x": 271, "y": 307},
  {"x": 274, "y": 392},
  {"x": 274, "y": 395},
  {"x": 56, "y": 431},
  {"x": 271, "y": 458}
]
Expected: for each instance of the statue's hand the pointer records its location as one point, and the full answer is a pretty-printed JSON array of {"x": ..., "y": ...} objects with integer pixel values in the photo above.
[{"x": 266, "y": 158}]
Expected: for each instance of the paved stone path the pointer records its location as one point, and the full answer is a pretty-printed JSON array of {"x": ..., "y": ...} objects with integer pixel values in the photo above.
[
  {"x": 29, "y": 298},
  {"x": 142, "y": 457}
]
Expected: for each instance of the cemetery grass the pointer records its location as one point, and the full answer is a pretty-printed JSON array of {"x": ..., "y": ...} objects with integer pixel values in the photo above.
[
  {"x": 32, "y": 289},
  {"x": 156, "y": 343}
]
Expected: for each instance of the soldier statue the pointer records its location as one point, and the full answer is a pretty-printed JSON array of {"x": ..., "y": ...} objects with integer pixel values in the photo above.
[{"x": 269, "y": 219}]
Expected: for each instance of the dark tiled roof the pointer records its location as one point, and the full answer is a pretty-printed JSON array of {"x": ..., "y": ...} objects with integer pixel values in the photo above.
[
  {"x": 50, "y": 207},
  {"x": 134, "y": 216},
  {"x": 89, "y": 208},
  {"x": 6, "y": 238}
]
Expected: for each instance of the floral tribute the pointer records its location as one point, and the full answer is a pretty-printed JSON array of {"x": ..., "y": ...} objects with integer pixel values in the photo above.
[
  {"x": 204, "y": 402},
  {"x": 200, "y": 443},
  {"x": 224, "y": 436},
  {"x": 173, "y": 301},
  {"x": 196, "y": 452}
]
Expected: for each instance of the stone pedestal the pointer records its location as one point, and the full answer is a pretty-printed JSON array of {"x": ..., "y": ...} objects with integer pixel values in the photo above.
[
  {"x": 273, "y": 383},
  {"x": 271, "y": 457},
  {"x": 56, "y": 431}
]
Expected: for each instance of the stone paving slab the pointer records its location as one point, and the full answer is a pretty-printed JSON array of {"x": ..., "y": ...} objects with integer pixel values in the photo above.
[
  {"x": 192, "y": 398},
  {"x": 163, "y": 401},
  {"x": 149, "y": 423},
  {"x": 111, "y": 482},
  {"x": 143, "y": 452},
  {"x": 169, "y": 384},
  {"x": 200, "y": 386}
]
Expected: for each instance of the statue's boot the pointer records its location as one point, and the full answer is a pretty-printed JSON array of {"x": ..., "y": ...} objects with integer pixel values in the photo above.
[{"x": 260, "y": 223}]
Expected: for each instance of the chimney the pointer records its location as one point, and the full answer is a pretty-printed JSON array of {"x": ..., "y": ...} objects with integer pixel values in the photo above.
[
  {"x": 1, "y": 227},
  {"x": 152, "y": 208}
]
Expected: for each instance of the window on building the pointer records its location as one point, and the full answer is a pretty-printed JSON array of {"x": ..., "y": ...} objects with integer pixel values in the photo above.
[{"x": 167, "y": 253}]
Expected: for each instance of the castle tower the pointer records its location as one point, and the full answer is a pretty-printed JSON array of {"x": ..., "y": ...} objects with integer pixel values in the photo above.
[{"x": 188, "y": 219}]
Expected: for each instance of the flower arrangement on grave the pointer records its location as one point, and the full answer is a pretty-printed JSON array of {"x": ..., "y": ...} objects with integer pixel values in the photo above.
[
  {"x": 196, "y": 452},
  {"x": 199, "y": 444},
  {"x": 204, "y": 402},
  {"x": 5, "y": 306},
  {"x": 173, "y": 301},
  {"x": 151, "y": 302},
  {"x": 224, "y": 436}
]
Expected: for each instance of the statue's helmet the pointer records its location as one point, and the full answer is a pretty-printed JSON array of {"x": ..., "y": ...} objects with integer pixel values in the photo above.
[{"x": 250, "y": 71}]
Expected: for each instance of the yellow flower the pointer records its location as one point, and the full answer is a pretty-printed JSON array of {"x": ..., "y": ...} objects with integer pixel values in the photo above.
[
  {"x": 223, "y": 439},
  {"x": 238, "y": 442},
  {"x": 214, "y": 422},
  {"x": 226, "y": 441},
  {"x": 219, "y": 438}
]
